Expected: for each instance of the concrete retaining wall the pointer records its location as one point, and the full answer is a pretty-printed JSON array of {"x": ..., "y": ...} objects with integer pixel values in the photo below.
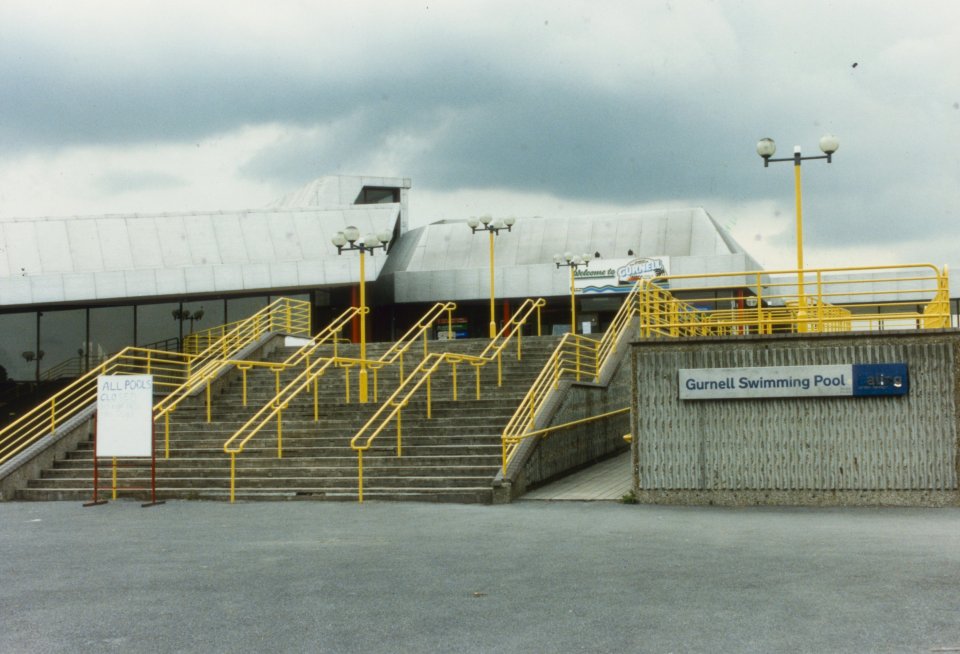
[
  {"x": 838, "y": 450},
  {"x": 545, "y": 458}
]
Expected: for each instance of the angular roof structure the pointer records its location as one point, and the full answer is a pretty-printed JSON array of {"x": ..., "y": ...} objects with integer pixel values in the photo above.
[{"x": 102, "y": 258}]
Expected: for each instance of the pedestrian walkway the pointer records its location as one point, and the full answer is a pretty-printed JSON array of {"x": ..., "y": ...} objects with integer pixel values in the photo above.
[
  {"x": 387, "y": 577},
  {"x": 607, "y": 480}
]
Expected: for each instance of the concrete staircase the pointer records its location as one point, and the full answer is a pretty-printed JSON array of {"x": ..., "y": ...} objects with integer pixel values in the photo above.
[{"x": 452, "y": 457}]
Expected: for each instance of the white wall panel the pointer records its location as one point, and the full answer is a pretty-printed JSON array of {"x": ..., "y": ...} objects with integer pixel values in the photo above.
[
  {"x": 144, "y": 243},
  {"x": 140, "y": 283},
  {"x": 114, "y": 243},
  {"x": 202, "y": 239},
  {"x": 54, "y": 246},
  {"x": 110, "y": 284},
  {"x": 24, "y": 254},
  {"x": 171, "y": 281},
  {"x": 174, "y": 246},
  {"x": 256, "y": 276},
  {"x": 229, "y": 238},
  {"x": 84, "y": 245},
  {"x": 46, "y": 288}
]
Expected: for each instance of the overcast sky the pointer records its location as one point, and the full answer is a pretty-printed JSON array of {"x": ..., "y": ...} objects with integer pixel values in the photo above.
[{"x": 524, "y": 108}]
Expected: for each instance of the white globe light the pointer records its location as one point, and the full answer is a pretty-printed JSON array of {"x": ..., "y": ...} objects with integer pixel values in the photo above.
[
  {"x": 829, "y": 144},
  {"x": 568, "y": 255},
  {"x": 384, "y": 236},
  {"x": 473, "y": 222},
  {"x": 339, "y": 239},
  {"x": 766, "y": 147},
  {"x": 509, "y": 221},
  {"x": 351, "y": 233},
  {"x": 485, "y": 219},
  {"x": 371, "y": 241}
]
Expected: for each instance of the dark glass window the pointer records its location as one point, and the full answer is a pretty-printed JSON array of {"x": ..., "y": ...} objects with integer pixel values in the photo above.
[
  {"x": 243, "y": 307},
  {"x": 19, "y": 338},
  {"x": 155, "y": 322},
  {"x": 111, "y": 330},
  {"x": 63, "y": 336}
]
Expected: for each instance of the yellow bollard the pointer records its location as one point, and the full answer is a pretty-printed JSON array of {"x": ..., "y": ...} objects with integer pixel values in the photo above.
[
  {"x": 360, "y": 476},
  {"x": 233, "y": 471},
  {"x": 280, "y": 433}
]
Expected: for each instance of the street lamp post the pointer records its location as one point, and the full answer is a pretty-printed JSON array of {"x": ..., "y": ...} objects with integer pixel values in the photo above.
[
  {"x": 766, "y": 148},
  {"x": 486, "y": 223},
  {"x": 349, "y": 239},
  {"x": 573, "y": 262}
]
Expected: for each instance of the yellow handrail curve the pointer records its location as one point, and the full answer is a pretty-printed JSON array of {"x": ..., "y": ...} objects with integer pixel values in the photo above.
[
  {"x": 173, "y": 371},
  {"x": 310, "y": 375},
  {"x": 168, "y": 369},
  {"x": 421, "y": 377}
]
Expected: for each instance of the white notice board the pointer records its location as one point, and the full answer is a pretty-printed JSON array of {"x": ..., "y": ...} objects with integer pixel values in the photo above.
[{"x": 124, "y": 415}]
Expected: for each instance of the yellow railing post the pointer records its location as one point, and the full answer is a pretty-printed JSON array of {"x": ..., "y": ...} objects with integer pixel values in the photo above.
[
  {"x": 429, "y": 395},
  {"x": 233, "y": 475},
  {"x": 280, "y": 433},
  {"x": 209, "y": 402},
  {"x": 346, "y": 381},
  {"x": 53, "y": 414},
  {"x": 399, "y": 431},
  {"x": 316, "y": 399},
  {"x": 166, "y": 436},
  {"x": 453, "y": 365},
  {"x": 360, "y": 476}
]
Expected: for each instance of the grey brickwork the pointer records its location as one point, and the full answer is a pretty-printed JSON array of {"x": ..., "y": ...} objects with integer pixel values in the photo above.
[{"x": 844, "y": 450}]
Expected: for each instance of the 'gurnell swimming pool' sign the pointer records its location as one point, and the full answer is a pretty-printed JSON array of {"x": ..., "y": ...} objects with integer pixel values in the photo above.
[{"x": 854, "y": 380}]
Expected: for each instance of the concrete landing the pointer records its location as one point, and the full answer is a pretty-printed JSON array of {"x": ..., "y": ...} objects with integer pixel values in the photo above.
[{"x": 605, "y": 481}]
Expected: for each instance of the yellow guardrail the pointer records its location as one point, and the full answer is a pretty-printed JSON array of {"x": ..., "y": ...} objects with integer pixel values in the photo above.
[
  {"x": 310, "y": 377},
  {"x": 422, "y": 375},
  {"x": 293, "y": 322},
  {"x": 173, "y": 373},
  {"x": 908, "y": 296},
  {"x": 842, "y": 299},
  {"x": 203, "y": 376},
  {"x": 169, "y": 369}
]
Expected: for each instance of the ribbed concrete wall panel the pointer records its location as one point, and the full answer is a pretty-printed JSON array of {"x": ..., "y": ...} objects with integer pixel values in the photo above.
[{"x": 825, "y": 444}]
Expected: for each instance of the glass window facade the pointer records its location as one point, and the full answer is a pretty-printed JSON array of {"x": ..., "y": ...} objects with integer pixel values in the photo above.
[{"x": 19, "y": 332}]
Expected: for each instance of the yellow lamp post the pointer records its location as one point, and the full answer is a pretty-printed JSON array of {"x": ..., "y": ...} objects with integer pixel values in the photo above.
[
  {"x": 349, "y": 239},
  {"x": 766, "y": 148},
  {"x": 487, "y": 224},
  {"x": 573, "y": 262}
]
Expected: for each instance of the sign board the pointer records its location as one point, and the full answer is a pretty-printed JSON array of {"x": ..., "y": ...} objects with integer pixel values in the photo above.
[
  {"x": 602, "y": 276},
  {"x": 854, "y": 380},
  {"x": 124, "y": 415}
]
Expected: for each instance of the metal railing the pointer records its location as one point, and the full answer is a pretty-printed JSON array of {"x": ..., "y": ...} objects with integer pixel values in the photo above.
[
  {"x": 173, "y": 373},
  {"x": 310, "y": 378},
  {"x": 827, "y": 300},
  {"x": 421, "y": 378},
  {"x": 861, "y": 298},
  {"x": 168, "y": 368}
]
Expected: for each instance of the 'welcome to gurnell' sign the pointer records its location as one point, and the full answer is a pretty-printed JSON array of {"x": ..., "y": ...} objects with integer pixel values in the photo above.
[{"x": 854, "y": 380}]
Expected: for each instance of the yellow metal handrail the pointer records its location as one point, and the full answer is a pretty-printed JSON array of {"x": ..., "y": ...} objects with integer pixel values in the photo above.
[
  {"x": 282, "y": 315},
  {"x": 422, "y": 375},
  {"x": 418, "y": 330},
  {"x": 173, "y": 372},
  {"x": 833, "y": 302},
  {"x": 168, "y": 368},
  {"x": 311, "y": 374}
]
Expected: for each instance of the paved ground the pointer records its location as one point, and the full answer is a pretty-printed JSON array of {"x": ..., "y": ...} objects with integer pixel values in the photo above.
[
  {"x": 529, "y": 577},
  {"x": 607, "y": 480}
]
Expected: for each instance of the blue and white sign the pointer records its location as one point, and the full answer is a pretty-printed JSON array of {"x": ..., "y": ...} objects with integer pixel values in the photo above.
[{"x": 854, "y": 380}]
